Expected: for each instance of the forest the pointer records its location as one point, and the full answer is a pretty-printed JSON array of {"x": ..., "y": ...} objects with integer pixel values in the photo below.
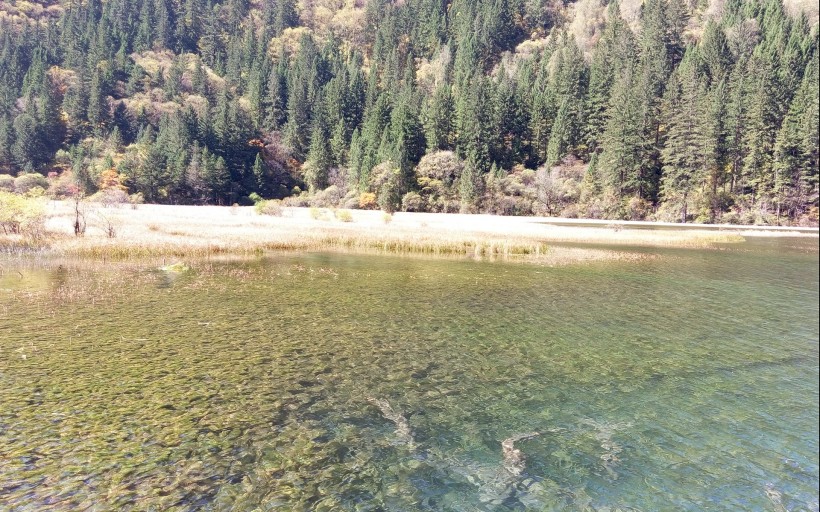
[{"x": 669, "y": 110}]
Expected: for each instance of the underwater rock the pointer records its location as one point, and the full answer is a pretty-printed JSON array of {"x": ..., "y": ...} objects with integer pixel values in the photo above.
[
  {"x": 776, "y": 497},
  {"x": 603, "y": 434},
  {"x": 514, "y": 460},
  {"x": 497, "y": 484},
  {"x": 403, "y": 430}
]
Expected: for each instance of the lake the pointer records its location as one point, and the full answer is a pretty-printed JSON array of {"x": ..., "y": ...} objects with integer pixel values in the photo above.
[{"x": 683, "y": 380}]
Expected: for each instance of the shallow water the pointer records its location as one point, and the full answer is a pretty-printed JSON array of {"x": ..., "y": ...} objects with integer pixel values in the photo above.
[{"x": 686, "y": 381}]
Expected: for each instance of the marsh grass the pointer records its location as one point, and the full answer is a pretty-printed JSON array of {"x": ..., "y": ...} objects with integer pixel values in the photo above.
[{"x": 208, "y": 231}]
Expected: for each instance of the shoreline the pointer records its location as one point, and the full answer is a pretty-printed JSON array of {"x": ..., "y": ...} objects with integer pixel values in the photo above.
[{"x": 190, "y": 231}]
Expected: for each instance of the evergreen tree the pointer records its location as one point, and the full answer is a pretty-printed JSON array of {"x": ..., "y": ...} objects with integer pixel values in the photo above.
[
  {"x": 623, "y": 142},
  {"x": 795, "y": 150},
  {"x": 760, "y": 131},
  {"x": 27, "y": 151},
  {"x": 684, "y": 165},
  {"x": 318, "y": 163},
  {"x": 614, "y": 51},
  {"x": 438, "y": 121}
]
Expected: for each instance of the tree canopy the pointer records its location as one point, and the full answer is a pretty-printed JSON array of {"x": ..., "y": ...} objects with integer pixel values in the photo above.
[{"x": 684, "y": 111}]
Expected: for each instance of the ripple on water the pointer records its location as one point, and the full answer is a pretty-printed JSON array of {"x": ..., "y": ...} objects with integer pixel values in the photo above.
[{"x": 324, "y": 382}]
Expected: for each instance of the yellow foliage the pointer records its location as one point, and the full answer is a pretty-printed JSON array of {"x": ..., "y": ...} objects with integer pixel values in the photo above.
[
  {"x": 111, "y": 179},
  {"x": 288, "y": 42},
  {"x": 367, "y": 201}
]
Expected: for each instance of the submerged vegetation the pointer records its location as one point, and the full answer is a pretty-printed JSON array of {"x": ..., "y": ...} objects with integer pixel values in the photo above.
[{"x": 260, "y": 383}]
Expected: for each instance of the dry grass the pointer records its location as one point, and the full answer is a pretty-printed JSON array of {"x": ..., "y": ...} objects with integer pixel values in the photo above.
[{"x": 205, "y": 231}]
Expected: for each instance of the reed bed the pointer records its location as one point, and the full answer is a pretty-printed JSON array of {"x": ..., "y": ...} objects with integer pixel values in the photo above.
[{"x": 162, "y": 231}]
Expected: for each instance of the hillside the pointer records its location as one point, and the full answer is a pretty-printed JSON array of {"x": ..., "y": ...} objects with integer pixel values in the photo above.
[{"x": 667, "y": 110}]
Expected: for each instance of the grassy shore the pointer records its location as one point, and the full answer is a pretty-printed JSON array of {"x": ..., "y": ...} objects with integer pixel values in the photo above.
[{"x": 202, "y": 231}]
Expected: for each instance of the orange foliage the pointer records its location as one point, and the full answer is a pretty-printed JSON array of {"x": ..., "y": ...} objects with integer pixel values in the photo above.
[{"x": 111, "y": 179}]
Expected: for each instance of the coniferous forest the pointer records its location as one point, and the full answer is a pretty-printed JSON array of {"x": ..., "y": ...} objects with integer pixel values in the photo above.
[{"x": 675, "y": 110}]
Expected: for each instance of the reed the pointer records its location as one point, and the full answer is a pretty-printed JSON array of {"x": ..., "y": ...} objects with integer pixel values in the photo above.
[{"x": 204, "y": 231}]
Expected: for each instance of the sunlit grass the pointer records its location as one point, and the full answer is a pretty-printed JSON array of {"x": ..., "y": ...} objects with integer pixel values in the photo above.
[{"x": 153, "y": 231}]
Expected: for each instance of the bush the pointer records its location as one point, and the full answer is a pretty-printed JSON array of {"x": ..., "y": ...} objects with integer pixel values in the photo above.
[
  {"x": 351, "y": 200},
  {"x": 26, "y": 182},
  {"x": 343, "y": 215},
  {"x": 110, "y": 197},
  {"x": 367, "y": 201},
  {"x": 412, "y": 202},
  {"x": 328, "y": 198},
  {"x": 637, "y": 208},
  {"x": 20, "y": 215},
  {"x": 35, "y": 192},
  {"x": 136, "y": 200},
  {"x": 300, "y": 200},
  {"x": 272, "y": 207},
  {"x": 63, "y": 186},
  {"x": 6, "y": 182}
]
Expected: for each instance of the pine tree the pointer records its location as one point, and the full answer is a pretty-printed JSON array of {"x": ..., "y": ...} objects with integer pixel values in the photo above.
[
  {"x": 716, "y": 148},
  {"x": 473, "y": 124},
  {"x": 6, "y": 143},
  {"x": 259, "y": 172},
  {"x": 614, "y": 51},
  {"x": 285, "y": 16},
  {"x": 562, "y": 135},
  {"x": 623, "y": 141},
  {"x": 98, "y": 111},
  {"x": 795, "y": 149},
  {"x": 438, "y": 122},
  {"x": 715, "y": 53},
  {"x": 318, "y": 163},
  {"x": 684, "y": 166},
  {"x": 760, "y": 131},
  {"x": 27, "y": 150}
]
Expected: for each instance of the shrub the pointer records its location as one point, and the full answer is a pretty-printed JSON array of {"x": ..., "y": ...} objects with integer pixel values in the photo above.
[
  {"x": 35, "y": 192},
  {"x": 343, "y": 215},
  {"x": 272, "y": 207},
  {"x": 20, "y": 215},
  {"x": 387, "y": 218},
  {"x": 328, "y": 198},
  {"x": 438, "y": 175},
  {"x": 300, "y": 200},
  {"x": 63, "y": 186},
  {"x": 367, "y": 201},
  {"x": 26, "y": 182},
  {"x": 6, "y": 182},
  {"x": 136, "y": 200},
  {"x": 350, "y": 200},
  {"x": 637, "y": 208},
  {"x": 110, "y": 197},
  {"x": 412, "y": 202}
]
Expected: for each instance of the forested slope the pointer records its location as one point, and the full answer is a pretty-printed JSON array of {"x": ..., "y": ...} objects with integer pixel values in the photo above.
[{"x": 669, "y": 110}]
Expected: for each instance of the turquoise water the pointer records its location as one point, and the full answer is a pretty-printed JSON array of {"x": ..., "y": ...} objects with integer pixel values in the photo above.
[{"x": 685, "y": 381}]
